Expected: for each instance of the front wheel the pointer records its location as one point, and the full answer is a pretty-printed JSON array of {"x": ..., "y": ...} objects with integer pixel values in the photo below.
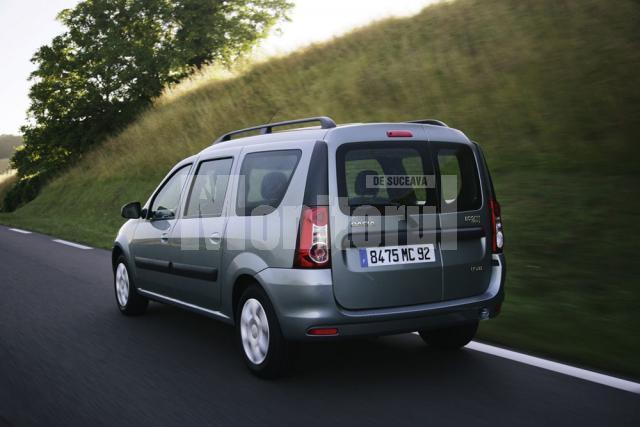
[
  {"x": 265, "y": 350},
  {"x": 129, "y": 301},
  {"x": 450, "y": 338}
]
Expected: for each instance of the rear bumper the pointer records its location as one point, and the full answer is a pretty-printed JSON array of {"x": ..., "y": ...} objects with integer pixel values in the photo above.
[{"x": 304, "y": 299}]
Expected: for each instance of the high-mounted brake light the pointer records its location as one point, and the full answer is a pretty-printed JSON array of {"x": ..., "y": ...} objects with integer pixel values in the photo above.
[
  {"x": 497, "y": 241},
  {"x": 399, "y": 134},
  {"x": 313, "y": 238}
]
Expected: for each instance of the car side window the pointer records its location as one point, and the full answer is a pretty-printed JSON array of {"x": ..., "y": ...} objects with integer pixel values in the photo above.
[
  {"x": 206, "y": 197},
  {"x": 264, "y": 180},
  {"x": 459, "y": 182},
  {"x": 166, "y": 201}
]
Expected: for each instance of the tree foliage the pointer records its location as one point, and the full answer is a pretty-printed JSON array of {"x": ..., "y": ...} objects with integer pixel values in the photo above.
[{"x": 113, "y": 59}]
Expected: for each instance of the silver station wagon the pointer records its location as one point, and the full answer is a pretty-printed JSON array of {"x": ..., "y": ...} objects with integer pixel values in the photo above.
[{"x": 321, "y": 233}]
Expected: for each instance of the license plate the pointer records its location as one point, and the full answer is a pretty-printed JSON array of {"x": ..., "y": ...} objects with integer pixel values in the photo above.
[{"x": 392, "y": 255}]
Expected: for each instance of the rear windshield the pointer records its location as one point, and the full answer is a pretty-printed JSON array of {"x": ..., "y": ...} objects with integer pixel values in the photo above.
[
  {"x": 384, "y": 175},
  {"x": 394, "y": 174}
]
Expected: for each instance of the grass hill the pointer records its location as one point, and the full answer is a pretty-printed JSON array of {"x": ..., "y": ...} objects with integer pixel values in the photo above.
[
  {"x": 548, "y": 88},
  {"x": 8, "y": 144}
]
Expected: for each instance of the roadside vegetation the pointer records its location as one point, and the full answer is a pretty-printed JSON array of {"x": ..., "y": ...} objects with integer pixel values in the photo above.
[
  {"x": 8, "y": 179},
  {"x": 8, "y": 145},
  {"x": 548, "y": 88},
  {"x": 113, "y": 58}
]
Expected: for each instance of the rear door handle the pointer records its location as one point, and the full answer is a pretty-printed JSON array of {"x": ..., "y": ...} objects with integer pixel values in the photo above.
[
  {"x": 215, "y": 238},
  {"x": 164, "y": 237}
]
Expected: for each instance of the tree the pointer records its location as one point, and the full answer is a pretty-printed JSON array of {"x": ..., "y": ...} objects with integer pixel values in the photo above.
[{"x": 113, "y": 59}]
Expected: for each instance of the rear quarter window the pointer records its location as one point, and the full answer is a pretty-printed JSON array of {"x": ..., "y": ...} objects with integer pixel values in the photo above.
[{"x": 264, "y": 180}]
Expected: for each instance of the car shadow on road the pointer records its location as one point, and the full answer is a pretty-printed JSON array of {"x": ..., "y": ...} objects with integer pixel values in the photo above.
[
  {"x": 377, "y": 381},
  {"x": 363, "y": 360}
]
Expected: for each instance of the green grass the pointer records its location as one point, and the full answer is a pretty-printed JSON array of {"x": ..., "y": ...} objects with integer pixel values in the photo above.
[{"x": 548, "y": 88}]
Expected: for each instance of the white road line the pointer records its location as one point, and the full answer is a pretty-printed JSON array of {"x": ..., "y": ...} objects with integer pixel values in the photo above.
[
  {"x": 560, "y": 368},
  {"x": 572, "y": 371},
  {"x": 74, "y": 245},
  {"x": 17, "y": 230}
]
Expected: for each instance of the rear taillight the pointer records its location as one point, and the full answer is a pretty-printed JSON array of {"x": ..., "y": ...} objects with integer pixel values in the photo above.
[
  {"x": 313, "y": 238},
  {"x": 496, "y": 226}
]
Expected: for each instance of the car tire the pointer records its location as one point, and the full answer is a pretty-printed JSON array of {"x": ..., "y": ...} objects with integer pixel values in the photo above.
[
  {"x": 451, "y": 338},
  {"x": 264, "y": 348},
  {"x": 129, "y": 301}
]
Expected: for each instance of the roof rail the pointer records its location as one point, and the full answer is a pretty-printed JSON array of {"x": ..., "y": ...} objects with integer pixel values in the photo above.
[
  {"x": 429, "y": 122},
  {"x": 325, "y": 123}
]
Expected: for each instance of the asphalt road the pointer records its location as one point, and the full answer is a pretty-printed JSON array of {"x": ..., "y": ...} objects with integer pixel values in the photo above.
[{"x": 67, "y": 357}]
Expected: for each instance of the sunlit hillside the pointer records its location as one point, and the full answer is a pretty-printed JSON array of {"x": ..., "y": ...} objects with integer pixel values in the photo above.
[
  {"x": 548, "y": 88},
  {"x": 8, "y": 143}
]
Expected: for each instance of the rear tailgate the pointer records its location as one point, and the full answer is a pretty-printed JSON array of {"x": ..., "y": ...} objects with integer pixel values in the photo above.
[{"x": 385, "y": 226}]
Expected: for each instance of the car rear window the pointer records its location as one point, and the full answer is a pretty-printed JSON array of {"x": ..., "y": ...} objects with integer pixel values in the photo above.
[
  {"x": 384, "y": 175},
  {"x": 459, "y": 183},
  {"x": 264, "y": 179}
]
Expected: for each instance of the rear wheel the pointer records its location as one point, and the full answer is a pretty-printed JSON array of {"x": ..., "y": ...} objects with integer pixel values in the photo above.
[
  {"x": 265, "y": 350},
  {"x": 450, "y": 338},
  {"x": 129, "y": 301}
]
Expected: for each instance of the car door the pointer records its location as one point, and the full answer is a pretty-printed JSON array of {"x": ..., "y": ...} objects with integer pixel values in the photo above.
[
  {"x": 152, "y": 246},
  {"x": 201, "y": 231},
  {"x": 464, "y": 221}
]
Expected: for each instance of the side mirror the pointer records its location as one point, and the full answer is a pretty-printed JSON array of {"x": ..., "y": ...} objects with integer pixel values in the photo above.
[{"x": 131, "y": 210}]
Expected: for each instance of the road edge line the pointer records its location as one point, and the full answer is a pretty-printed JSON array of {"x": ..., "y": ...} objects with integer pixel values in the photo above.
[
  {"x": 549, "y": 365},
  {"x": 561, "y": 368},
  {"x": 18, "y": 230},
  {"x": 73, "y": 245}
]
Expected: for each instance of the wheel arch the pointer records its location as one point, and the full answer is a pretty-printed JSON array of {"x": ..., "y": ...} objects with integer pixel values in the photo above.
[
  {"x": 116, "y": 252},
  {"x": 242, "y": 282},
  {"x": 238, "y": 272}
]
